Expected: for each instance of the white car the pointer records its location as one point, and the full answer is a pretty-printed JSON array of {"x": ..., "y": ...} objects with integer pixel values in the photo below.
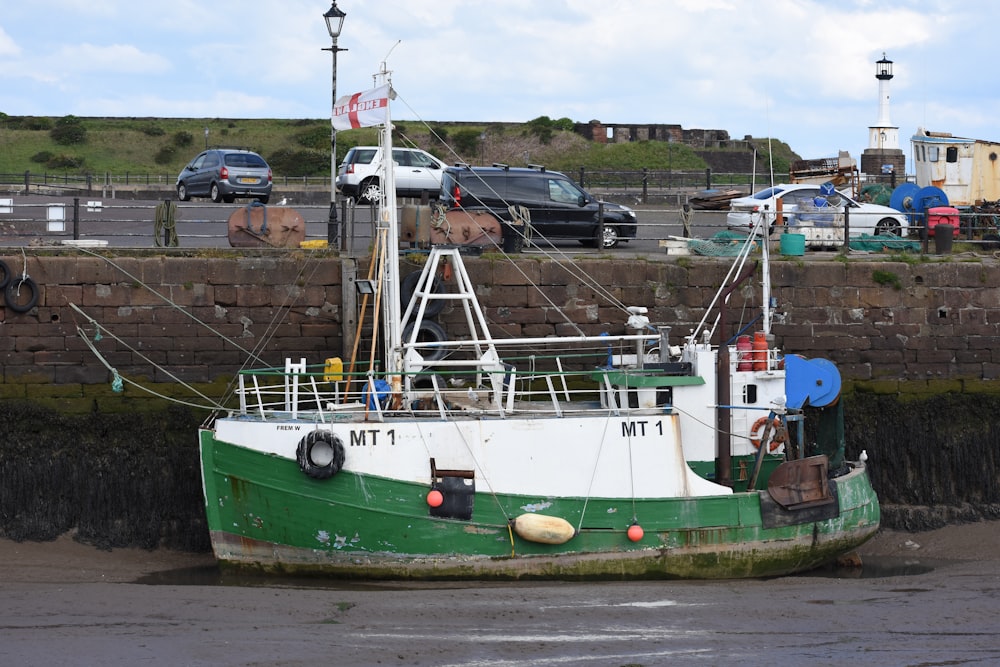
[
  {"x": 416, "y": 172},
  {"x": 807, "y": 205}
]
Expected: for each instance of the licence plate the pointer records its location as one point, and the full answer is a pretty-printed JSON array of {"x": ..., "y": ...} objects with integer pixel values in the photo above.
[{"x": 251, "y": 181}]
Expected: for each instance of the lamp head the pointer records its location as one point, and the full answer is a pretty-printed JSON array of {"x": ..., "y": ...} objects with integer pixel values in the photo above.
[{"x": 334, "y": 18}]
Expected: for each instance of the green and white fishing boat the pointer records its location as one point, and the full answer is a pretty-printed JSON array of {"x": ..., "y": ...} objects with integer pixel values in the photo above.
[{"x": 464, "y": 455}]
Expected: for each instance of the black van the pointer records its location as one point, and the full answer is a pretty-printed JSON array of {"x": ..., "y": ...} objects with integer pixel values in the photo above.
[{"x": 559, "y": 208}]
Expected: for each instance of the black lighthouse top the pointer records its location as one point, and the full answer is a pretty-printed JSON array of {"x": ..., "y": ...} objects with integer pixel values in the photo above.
[{"x": 883, "y": 69}]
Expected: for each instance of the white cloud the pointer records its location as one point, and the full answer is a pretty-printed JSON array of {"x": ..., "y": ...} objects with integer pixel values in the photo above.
[
  {"x": 8, "y": 47},
  {"x": 800, "y": 70}
]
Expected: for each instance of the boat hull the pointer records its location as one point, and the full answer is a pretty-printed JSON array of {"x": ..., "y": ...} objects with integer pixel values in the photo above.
[{"x": 264, "y": 514}]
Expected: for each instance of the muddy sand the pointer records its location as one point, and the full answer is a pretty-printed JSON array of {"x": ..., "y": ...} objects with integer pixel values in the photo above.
[{"x": 64, "y": 603}]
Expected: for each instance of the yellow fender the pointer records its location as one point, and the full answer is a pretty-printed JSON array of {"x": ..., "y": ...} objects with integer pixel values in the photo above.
[{"x": 543, "y": 529}]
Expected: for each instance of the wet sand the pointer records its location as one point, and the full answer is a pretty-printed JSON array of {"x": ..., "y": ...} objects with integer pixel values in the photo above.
[{"x": 923, "y": 599}]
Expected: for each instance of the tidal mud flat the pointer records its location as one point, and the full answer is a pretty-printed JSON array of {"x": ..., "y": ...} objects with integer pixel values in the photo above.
[{"x": 922, "y": 598}]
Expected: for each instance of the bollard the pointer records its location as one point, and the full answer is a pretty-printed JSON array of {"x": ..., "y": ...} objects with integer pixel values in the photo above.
[{"x": 943, "y": 235}]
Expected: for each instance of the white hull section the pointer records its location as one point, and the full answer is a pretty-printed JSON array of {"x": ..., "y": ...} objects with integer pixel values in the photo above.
[{"x": 573, "y": 456}]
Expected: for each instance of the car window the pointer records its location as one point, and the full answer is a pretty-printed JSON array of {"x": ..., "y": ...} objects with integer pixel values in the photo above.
[
  {"x": 401, "y": 157},
  {"x": 360, "y": 156},
  {"x": 211, "y": 160},
  {"x": 800, "y": 197},
  {"x": 526, "y": 189},
  {"x": 198, "y": 161},
  {"x": 245, "y": 160},
  {"x": 563, "y": 192},
  {"x": 768, "y": 193},
  {"x": 484, "y": 186},
  {"x": 423, "y": 160}
]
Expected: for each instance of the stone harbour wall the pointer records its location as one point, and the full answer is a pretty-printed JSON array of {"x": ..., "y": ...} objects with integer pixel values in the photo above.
[{"x": 917, "y": 342}]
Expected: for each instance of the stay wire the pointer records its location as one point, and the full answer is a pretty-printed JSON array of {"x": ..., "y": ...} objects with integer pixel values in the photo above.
[{"x": 566, "y": 261}]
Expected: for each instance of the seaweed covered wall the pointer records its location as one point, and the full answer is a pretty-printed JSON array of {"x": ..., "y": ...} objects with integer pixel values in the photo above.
[{"x": 918, "y": 344}]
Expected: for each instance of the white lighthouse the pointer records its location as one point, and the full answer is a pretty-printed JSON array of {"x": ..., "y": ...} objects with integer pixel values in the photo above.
[
  {"x": 883, "y": 134},
  {"x": 883, "y": 156}
]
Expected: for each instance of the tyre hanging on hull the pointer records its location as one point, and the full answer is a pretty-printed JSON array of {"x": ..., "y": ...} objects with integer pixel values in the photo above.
[{"x": 320, "y": 454}]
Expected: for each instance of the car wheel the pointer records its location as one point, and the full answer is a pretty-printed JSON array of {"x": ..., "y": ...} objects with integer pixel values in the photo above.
[
  {"x": 264, "y": 199},
  {"x": 369, "y": 191},
  {"x": 888, "y": 227},
  {"x": 610, "y": 237},
  {"x": 215, "y": 193},
  {"x": 182, "y": 192}
]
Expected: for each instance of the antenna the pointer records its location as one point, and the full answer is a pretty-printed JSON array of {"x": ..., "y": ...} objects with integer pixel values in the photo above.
[{"x": 383, "y": 70}]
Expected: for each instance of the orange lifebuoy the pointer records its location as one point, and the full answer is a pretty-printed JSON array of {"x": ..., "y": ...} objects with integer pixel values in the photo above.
[{"x": 778, "y": 433}]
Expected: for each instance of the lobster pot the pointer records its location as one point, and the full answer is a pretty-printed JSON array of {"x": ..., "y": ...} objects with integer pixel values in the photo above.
[{"x": 415, "y": 225}]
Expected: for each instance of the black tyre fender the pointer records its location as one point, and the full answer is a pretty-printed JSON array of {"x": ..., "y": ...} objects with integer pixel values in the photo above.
[
  {"x": 429, "y": 332},
  {"x": 320, "y": 454},
  {"x": 14, "y": 294},
  {"x": 409, "y": 286},
  {"x": 4, "y": 274}
]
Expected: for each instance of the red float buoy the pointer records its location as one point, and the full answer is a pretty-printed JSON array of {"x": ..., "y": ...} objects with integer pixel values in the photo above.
[
  {"x": 635, "y": 532},
  {"x": 435, "y": 498}
]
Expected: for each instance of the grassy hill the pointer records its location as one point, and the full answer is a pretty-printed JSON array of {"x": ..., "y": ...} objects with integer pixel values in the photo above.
[{"x": 82, "y": 145}]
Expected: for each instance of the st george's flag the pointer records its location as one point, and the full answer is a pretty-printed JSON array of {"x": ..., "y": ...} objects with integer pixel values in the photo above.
[{"x": 365, "y": 109}]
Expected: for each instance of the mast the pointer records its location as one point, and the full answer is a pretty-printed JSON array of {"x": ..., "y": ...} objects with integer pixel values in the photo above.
[
  {"x": 388, "y": 235},
  {"x": 766, "y": 278}
]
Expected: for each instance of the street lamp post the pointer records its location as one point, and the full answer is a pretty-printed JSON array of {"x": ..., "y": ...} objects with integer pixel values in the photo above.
[{"x": 334, "y": 18}]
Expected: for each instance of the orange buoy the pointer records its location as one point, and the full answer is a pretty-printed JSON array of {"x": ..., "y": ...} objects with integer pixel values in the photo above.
[
  {"x": 435, "y": 498},
  {"x": 635, "y": 532},
  {"x": 760, "y": 351}
]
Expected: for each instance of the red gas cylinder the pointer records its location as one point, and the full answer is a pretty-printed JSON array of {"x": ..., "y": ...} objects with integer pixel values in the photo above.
[
  {"x": 759, "y": 351},
  {"x": 743, "y": 351}
]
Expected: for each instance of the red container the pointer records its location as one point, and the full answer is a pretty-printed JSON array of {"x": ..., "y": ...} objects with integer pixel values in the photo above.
[
  {"x": 759, "y": 351},
  {"x": 942, "y": 215}
]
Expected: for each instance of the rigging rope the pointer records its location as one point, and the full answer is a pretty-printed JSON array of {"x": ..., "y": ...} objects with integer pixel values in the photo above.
[
  {"x": 165, "y": 225},
  {"x": 566, "y": 261}
]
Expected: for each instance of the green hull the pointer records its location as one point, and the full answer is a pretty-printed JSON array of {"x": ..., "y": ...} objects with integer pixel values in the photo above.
[{"x": 263, "y": 513}]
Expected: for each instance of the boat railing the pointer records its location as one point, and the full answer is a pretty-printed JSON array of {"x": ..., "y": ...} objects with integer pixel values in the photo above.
[
  {"x": 767, "y": 360},
  {"x": 300, "y": 391}
]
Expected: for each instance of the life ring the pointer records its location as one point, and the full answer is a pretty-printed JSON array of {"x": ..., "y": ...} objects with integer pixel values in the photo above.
[
  {"x": 15, "y": 300},
  {"x": 409, "y": 286},
  {"x": 429, "y": 332},
  {"x": 320, "y": 454},
  {"x": 778, "y": 433},
  {"x": 4, "y": 274}
]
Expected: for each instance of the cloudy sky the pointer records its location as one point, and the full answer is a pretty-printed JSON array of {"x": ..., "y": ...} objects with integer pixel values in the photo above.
[{"x": 799, "y": 70}]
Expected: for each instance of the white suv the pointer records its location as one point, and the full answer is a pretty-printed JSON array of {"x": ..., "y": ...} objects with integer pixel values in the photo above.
[{"x": 416, "y": 172}]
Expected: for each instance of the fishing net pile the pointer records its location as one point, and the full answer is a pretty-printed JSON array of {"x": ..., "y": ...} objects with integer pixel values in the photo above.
[
  {"x": 723, "y": 244},
  {"x": 884, "y": 243}
]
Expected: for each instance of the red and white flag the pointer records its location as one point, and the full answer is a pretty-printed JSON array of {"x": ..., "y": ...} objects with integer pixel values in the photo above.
[{"x": 362, "y": 109}]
